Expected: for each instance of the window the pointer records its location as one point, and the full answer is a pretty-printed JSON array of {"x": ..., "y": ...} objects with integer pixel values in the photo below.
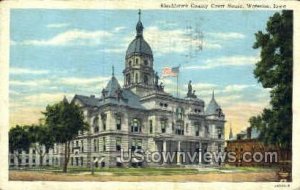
[
  {"x": 128, "y": 78},
  {"x": 130, "y": 63},
  {"x": 145, "y": 62},
  {"x": 136, "y": 61},
  {"x": 104, "y": 143},
  {"x": 136, "y": 144},
  {"x": 12, "y": 160},
  {"x": 27, "y": 160},
  {"x": 197, "y": 129},
  {"x": 118, "y": 122},
  {"x": 136, "y": 78},
  {"x": 179, "y": 113},
  {"x": 219, "y": 130},
  {"x": 77, "y": 161},
  {"x": 136, "y": 126},
  {"x": 72, "y": 161},
  {"x": 33, "y": 151},
  {"x": 81, "y": 161},
  {"x": 145, "y": 79},
  {"x": 163, "y": 123},
  {"x": 103, "y": 119},
  {"x": 96, "y": 124},
  {"x": 95, "y": 145},
  {"x": 206, "y": 131},
  {"x": 179, "y": 129},
  {"x": 82, "y": 146},
  {"x": 187, "y": 127},
  {"x": 118, "y": 143},
  {"x": 77, "y": 144},
  {"x": 150, "y": 127}
]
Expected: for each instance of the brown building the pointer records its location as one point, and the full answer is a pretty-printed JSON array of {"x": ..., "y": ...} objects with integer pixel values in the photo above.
[{"x": 247, "y": 150}]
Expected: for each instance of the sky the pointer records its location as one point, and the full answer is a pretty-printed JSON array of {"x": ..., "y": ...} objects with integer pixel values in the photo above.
[{"x": 66, "y": 52}]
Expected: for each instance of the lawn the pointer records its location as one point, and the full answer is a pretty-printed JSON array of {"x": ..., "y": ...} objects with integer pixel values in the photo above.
[{"x": 226, "y": 173}]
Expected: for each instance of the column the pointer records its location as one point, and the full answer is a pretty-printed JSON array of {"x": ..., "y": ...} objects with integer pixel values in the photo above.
[
  {"x": 200, "y": 152},
  {"x": 178, "y": 153},
  {"x": 164, "y": 151}
]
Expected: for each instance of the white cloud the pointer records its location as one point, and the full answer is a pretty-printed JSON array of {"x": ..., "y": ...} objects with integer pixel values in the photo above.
[
  {"x": 57, "y": 25},
  {"x": 236, "y": 87},
  {"x": 119, "y": 28},
  {"x": 29, "y": 82},
  {"x": 46, "y": 98},
  {"x": 225, "y": 61},
  {"x": 72, "y": 37},
  {"x": 83, "y": 81},
  {"x": 176, "y": 40},
  {"x": 226, "y": 35},
  {"x": 16, "y": 71},
  {"x": 112, "y": 50}
]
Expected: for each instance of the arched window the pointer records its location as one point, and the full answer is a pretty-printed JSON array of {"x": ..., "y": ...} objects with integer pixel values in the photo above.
[{"x": 136, "y": 126}]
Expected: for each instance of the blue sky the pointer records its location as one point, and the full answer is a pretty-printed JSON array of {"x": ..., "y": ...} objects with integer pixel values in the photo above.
[{"x": 66, "y": 52}]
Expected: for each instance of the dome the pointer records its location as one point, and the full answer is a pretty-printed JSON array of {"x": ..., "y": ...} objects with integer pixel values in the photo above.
[{"x": 139, "y": 46}]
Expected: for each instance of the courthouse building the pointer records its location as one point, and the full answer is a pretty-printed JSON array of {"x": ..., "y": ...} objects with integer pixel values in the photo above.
[{"x": 140, "y": 115}]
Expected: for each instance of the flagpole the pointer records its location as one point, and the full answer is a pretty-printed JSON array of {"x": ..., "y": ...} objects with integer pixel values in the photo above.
[{"x": 177, "y": 86}]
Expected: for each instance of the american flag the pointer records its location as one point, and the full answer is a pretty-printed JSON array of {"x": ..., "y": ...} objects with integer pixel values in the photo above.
[{"x": 170, "y": 71}]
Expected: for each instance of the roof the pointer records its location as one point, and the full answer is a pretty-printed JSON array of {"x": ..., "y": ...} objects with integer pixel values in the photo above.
[
  {"x": 139, "y": 45},
  {"x": 111, "y": 87},
  {"x": 212, "y": 107},
  {"x": 127, "y": 98}
]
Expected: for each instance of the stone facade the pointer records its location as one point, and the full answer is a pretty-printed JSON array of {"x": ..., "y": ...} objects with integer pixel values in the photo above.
[{"x": 142, "y": 116}]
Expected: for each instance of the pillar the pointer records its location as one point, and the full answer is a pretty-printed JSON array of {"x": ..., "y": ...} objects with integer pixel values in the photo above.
[
  {"x": 178, "y": 153},
  {"x": 200, "y": 152}
]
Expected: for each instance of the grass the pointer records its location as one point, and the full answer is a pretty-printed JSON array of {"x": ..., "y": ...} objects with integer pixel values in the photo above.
[{"x": 147, "y": 171}]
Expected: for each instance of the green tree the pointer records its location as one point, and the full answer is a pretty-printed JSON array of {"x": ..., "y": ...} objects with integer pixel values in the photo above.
[
  {"x": 18, "y": 141},
  {"x": 41, "y": 139},
  {"x": 64, "y": 120},
  {"x": 275, "y": 71}
]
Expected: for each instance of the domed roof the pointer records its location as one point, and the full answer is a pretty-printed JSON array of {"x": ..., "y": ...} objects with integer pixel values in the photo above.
[
  {"x": 139, "y": 45},
  {"x": 213, "y": 107}
]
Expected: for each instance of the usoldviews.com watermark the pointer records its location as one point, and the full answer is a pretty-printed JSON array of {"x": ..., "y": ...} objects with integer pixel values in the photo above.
[{"x": 188, "y": 157}]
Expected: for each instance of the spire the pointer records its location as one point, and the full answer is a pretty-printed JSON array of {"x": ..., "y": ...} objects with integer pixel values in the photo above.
[
  {"x": 230, "y": 133},
  {"x": 139, "y": 26},
  {"x": 113, "y": 71},
  {"x": 139, "y": 14}
]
